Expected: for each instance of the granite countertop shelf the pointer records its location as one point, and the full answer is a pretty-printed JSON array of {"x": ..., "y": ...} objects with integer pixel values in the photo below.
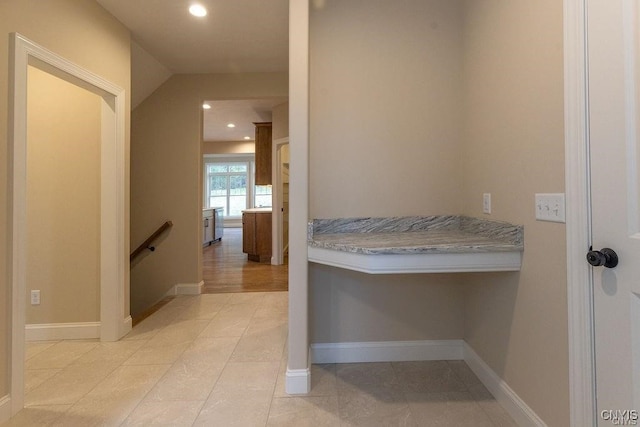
[{"x": 429, "y": 244}]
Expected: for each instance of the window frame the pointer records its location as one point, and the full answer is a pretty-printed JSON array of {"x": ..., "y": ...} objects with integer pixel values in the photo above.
[
  {"x": 213, "y": 160},
  {"x": 249, "y": 159},
  {"x": 227, "y": 177},
  {"x": 254, "y": 189}
]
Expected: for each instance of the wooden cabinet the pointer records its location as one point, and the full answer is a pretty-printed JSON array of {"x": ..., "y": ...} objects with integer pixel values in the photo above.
[
  {"x": 263, "y": 153},
  {"x": 249, "y": 233},
  {"x": 256, "y": 235}
]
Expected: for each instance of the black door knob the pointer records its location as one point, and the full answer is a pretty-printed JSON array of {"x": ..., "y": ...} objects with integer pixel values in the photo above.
[{"x": 606, "y": 257}]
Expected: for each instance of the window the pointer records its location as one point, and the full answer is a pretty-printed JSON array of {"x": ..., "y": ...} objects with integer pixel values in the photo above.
[
  {"x": 227, "y": 186},
  {"x": 262, "y": 196},
  {"x": 229, "y": 183}
]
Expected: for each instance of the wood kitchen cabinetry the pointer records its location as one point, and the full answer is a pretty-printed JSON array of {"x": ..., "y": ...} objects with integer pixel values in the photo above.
[
  {"x": 263, "y": 153},
  {"x": 256, "y": 234}
]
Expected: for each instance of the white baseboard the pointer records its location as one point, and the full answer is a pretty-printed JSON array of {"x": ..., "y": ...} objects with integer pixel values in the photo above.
[
  {"x": 298, "y": 381},
  {"x": 386, "y": 351},
  {"x": 508, "y": 399},
  {"x": 186, "y": 289},
  {"x": 62, "y": 331},
  {"x": 5, "y": 408}
]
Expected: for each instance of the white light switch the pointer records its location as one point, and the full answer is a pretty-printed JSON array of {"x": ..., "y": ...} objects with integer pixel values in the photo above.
[
  {"x": 550, "y": 207},
  {"x": 35, "y": 297},
  {"x": 486, "y": 203}
]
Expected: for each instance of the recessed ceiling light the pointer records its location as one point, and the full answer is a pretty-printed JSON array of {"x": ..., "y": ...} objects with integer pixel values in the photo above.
[
  {"x": 247, "y": 137},
  {"x": 206, "y": 106},
  {"x": 231, "y": 125},
  {"x": 197, "y": 10}
]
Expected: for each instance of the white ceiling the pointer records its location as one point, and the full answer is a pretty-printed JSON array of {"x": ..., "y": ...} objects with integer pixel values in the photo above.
[
  {"x": 241, "y": 113},
  {"x": 236, "y": 36}
]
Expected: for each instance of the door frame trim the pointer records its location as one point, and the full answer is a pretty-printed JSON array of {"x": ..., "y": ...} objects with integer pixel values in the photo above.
[
  {"x": 578, "y": 228},
  {"x": 277, "y": 224},
  {"x": 298, "y": 378},
  {"x": 114, "y": 316}
]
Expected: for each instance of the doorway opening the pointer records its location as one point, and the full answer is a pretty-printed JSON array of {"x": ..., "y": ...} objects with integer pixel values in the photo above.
[
  {"x": 63, "y": 210},
  {"x": 110, "y": 243},
  {"x": 231, "y": 191}
]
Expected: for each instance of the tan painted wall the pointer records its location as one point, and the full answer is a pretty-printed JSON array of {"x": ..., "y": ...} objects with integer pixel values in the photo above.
[
  {"x": 388, "y": 95},
  {"x": 147, "y": 74},
  {"x": 228, "y": 147},
  {"x": 513, "y": 149},
  {"x": 384, "y": 141},
  {"x": 63, "y": 200},
  {"x": 280, "y": 119},
  {"x": 84, "y": 33},
  {"x": 348, "y": 306},
  {"x": 166, "y": 180},
  {"x": 385, "y": 108}
]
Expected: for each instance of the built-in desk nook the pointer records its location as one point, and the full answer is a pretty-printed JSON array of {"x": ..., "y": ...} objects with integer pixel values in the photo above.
[{"x": 428, "y": 244}]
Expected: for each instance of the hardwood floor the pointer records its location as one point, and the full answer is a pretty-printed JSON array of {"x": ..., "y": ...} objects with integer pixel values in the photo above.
[{"x": 225, "y": 268}]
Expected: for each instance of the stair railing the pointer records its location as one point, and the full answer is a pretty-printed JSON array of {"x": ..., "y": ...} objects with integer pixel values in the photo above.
[{"x": 147, "y": 243}]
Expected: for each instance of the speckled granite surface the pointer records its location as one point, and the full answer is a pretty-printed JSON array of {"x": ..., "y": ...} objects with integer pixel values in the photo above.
[{"x": 415, "y": 235}]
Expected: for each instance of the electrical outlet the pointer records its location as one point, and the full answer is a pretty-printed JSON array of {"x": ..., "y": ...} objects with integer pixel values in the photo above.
[
  {"x": 35, "y": 297},
  {"x": 550, "y": 207},
  {"x": 486, "y": 203}
]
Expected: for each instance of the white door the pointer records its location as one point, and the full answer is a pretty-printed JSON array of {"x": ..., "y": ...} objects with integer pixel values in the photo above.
[{"x": 613, "y": 42}]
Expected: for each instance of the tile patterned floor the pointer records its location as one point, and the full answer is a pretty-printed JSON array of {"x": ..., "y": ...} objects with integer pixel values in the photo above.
[{"x": 219, "y": 360}]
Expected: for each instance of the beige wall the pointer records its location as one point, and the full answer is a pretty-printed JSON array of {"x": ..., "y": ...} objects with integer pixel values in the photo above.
[
  {"x": 348, "y": 306},
  {"x": 82, "y": 32},
  {"x": 280, "y": 120},
  {"x": 147, "y": 74},
  {"x": 385, "y": 108},
  {"x": 384, "y": 141},
  {"x": 166, "y": 180},
  {"x": 513, "y": 149},
  {"x": 228, "y": 147},
  {"x": 63, "y": 200},
  {"x": 419, "y": 108}
]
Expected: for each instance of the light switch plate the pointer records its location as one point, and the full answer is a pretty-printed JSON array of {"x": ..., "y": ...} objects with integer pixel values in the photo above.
[
  {"x": 486, "y": 203},
  {"x": 35, "y": 297},
  {"x": 550, "y": 207}
]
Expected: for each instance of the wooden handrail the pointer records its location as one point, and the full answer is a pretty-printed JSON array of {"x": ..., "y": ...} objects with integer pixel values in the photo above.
[{"x": 147, "y": 243}]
